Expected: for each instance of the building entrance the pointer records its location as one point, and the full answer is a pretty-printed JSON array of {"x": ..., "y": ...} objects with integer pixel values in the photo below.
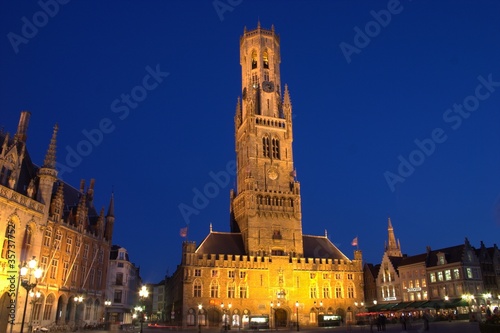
[{"x": 280, "y": 317}]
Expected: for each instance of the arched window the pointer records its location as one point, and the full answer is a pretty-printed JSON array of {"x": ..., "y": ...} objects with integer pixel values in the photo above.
[
  {"x": 231, "y": 290},
  {"x": 326, "y": 290},
  {"x": 276, "y": 148},
  {"x": 265, "y": 58},
  {"x": 266, "y": 149},
  {"x": 197, "y": 288},
  {"x": 97, "y": 305},
  {"x": 88, "y": 309},
  {"x": 47, "y": 236},
  {"x": 350, "y": 291},
  {"x": 214, "y": 289},
  {"x": 338, "y": 291},
  {"x": 47, "y": 309},
  {"x": 37, "y": 307},
  {"x": 254, "y": 59}
]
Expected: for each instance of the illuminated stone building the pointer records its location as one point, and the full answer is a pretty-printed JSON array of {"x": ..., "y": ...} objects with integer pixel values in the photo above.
[
  {"x": 388, "y": 284},
  {"x": 265, "y": 265},
  {"x": 41, "y": 216},
  {"x": 122, "y": 284}
]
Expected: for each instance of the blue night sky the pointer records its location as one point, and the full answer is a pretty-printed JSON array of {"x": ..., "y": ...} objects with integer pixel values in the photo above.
[{"x": 395, "y": 104}]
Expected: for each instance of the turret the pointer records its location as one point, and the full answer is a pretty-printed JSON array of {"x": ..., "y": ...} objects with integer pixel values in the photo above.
[
  {"x": 48, "y": 173},
  {"x": 110, "y": 219}
]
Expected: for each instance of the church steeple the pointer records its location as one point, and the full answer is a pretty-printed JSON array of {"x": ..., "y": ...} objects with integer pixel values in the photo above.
[
  {"x": 265, "y": 206},
  {"x": 392, "y": 247}
]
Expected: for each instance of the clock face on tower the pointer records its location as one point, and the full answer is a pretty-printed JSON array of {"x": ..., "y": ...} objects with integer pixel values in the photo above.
[
  {"x": 272, "y": 174},
  {"x": 268, "y": 86}
]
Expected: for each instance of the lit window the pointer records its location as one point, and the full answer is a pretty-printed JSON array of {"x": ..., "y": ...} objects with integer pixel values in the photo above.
[
  {"x": 456, "y": 274},
  {"x": 265, "y": 58},
  {"x": 440, "y": 276},
  {"x": 447, "y": 274},
  {"x": 469, "y": 273},
  {"x": 432, "y": 277}
]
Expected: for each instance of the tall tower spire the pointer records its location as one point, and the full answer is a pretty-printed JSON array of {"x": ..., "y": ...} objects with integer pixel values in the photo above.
[
  {"x": 48, "y": 172},
  {"x": 265, "y": 207},
  {"x": 392, "y": 247}
]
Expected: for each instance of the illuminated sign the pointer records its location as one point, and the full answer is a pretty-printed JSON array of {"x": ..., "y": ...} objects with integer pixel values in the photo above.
[
  {"x": 389, "y": 298},
  {"x": 414, "y": 289}
]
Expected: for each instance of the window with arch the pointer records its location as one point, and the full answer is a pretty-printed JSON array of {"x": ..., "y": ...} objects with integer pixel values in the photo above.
[
  {"x": 326, "y": 291},
  {"x": 313, "y": 291},
  {"x": 214, "y": 289},
  {"x": 254, "y": 59},
  {"x": 47, "y": 236},
  {"x": 47, "y": 309},
  {"x": 265, "y": 59},
  {"x": 88, "y": 309},
  {"x": 243, "y": 291},
  {"x": 338, "y": 291},
  {"x": 37, "y": 308},
  {"x": 350, "y": 291},
  {"x": 266, "y": 148},
  {"x": 231, "y": 290},
  {"x": 276, "y": 148},
  {"x": 197, "y": 288},
  {"x": 96, "y": 310}
]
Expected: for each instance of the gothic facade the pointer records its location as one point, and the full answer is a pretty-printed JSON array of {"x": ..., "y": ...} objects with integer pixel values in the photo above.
[
  {"x": 46, "y": 219},
  {"x": 265, "y": 266}
]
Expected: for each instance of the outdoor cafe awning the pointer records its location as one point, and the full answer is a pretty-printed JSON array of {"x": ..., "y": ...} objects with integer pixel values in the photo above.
[{"x": 418, "y": 305}]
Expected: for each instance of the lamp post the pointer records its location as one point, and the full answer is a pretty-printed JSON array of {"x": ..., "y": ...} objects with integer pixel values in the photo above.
[
  {"x": 143, "y": 293},
  {"x": 199, "y": 317},
  {"x": 107, "y": 304},
  {"x": 35, "y": 296},
  {"x": 27, "y": 271},
  {"x": 297, "y": 313}
]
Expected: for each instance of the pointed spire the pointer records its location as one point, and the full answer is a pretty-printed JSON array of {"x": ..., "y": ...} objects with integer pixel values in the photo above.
[
  {"x": 210, "y": 227},
  {"x": 258, "y": 23},
  {"x": 111, "y": 209},
  {"x": 50, "y": 157},
  {"x": 286, "y": 98},
  {"x": 392, "y": 247},
  {"x": 22, "y": 127}
]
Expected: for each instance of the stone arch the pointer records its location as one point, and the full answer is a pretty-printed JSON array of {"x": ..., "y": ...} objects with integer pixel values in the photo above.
[{"x": 60, "y": 309}]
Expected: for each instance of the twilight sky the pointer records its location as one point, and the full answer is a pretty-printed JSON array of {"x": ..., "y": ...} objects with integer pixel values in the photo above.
[{"x": 395, "y": 104}]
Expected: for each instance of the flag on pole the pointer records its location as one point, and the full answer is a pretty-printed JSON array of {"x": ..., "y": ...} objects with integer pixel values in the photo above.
[
  {"x": 184, "y": 232},
  {"x": 355, "y": 241}
]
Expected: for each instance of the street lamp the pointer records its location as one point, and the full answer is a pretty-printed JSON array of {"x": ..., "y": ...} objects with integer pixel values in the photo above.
[
  {"x": 199, "y": 317},
  {"x": 26, "y": 272},
  {"x": 35, "y": 296},
  {"x": 107, "y": 304},
  {"x": 143, "y": 293},
  {"x": 297, "y": 313}
]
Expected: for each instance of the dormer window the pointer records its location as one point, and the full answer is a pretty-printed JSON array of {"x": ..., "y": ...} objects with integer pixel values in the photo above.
[{"x": 441, "y": 259}]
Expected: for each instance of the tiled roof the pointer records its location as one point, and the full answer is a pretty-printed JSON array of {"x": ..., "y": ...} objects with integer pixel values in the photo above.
[
  {"x": 222, "y": 243},
  {"x": 321, "y": 247}
]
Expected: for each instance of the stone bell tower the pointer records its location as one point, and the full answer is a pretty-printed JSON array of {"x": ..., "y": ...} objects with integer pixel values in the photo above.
[{"x": 266, "y": 206}]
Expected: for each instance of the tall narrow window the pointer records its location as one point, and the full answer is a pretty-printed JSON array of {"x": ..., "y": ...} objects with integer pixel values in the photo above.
[
  {"x": 254, "y": 60},
  {"x": 47, "y": 309},
  {"x": 214, "y": 289},
  {"x": 197, "y": 289},
  {"x": 47, "y": 236},
  {"x": 265, "y": 59},
  {"x": 266, "y": 149},
  {"x": 276, "y": 148}
]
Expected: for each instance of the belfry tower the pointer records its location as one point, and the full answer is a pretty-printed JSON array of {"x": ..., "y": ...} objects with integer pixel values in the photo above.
[{"x": 266, "y": 206}]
